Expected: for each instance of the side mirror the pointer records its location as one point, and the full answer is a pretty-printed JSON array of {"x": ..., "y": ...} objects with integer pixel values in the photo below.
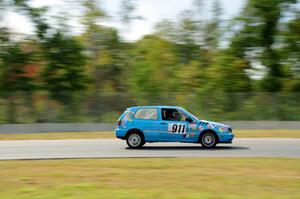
[{"x": 188, "y": 119}]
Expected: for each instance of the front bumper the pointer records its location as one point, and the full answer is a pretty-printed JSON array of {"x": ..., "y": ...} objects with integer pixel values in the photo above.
[{"x": 225, "y": 137}]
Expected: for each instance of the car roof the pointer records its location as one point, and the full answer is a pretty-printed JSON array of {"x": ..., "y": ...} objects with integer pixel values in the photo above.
[{"x": 135, "y": 107}]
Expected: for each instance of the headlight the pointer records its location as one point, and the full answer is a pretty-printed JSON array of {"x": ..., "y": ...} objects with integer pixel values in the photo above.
[{"x": 224, "y": 130}]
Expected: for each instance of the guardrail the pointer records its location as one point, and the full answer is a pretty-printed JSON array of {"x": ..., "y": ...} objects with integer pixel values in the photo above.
[
  {"x": 100, "y": 127},
  {"x": 260, "y": 125},
  {"x": 55, "y": 127}
]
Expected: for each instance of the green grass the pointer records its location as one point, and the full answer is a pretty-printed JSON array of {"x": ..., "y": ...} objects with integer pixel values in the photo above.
[
  {"x": 278, "y": 133},
  {"x": 199, "y": 178},
  {"x": 58, "y": 136}
]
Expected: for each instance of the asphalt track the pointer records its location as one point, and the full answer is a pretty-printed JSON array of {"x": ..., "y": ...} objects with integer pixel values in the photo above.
[{"x": 113, "y": 148}]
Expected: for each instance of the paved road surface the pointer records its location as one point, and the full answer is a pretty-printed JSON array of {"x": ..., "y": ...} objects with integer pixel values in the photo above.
[{"x": 107, "y": 148}]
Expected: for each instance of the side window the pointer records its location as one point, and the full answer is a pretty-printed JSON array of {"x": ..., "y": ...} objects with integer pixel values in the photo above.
[
  {"x": 146, "y": 114},
  {"x": 127, "y": 116},
  {"x": 171, "y": 114}
]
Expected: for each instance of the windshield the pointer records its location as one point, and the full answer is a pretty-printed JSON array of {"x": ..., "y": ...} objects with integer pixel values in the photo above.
[{"x": 186, "y": 113}]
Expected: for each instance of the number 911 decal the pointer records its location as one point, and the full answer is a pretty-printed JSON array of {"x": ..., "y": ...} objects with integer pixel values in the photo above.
[{"x": 177, "y": 128}]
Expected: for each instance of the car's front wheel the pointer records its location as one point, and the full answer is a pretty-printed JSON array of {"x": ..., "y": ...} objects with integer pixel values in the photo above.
[
  {"x": 135, "y": 140},
  {"x": 208, "y": 140}
]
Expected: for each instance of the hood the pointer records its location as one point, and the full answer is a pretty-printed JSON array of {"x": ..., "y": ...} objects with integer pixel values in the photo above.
[{"x": 215, "y": 123}]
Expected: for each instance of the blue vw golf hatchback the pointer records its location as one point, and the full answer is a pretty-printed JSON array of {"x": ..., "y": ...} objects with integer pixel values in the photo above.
[{"x": 138, "y": 125}]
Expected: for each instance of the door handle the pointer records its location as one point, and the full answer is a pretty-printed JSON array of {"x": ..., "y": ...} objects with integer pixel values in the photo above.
[{"x": 163, "y": 123}]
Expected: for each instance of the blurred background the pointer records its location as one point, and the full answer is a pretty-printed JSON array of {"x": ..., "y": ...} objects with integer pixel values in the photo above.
[{"x": 86, "y": 61}]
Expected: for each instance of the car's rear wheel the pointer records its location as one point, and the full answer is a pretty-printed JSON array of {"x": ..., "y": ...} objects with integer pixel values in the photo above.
[
  {"x": 135, "y": 140},
  {"x": 208, "y": 140}
]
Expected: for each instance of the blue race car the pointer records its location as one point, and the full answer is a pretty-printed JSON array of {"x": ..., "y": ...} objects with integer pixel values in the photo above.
[{"x": 138, "y": 125}]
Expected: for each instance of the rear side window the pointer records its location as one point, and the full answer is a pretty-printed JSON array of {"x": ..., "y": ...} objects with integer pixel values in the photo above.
[
  {"x": 127, "y": 116},
  {"x": 146, "y": 114}
]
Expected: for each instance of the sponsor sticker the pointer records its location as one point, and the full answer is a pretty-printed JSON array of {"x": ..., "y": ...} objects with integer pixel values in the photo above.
[
  {"x": 190, "y": 135},
  {"x": 201, "y": 128},
  {"x": 193, "y": 126},
  {"x": 210, "y": 126}
]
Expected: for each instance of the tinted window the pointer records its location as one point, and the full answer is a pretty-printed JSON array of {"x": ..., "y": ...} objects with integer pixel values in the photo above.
[
  {"x": 171, "y": 114},
  {"x": 146, "y": 114}
]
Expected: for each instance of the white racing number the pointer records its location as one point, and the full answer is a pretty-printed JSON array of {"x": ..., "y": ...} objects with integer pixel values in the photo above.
[{"x": 177, "y": 128}]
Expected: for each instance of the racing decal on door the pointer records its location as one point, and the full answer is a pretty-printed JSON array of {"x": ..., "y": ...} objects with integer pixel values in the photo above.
[
  {"x": 177, "y": 128},
  {"x": 193, "y": 126}
]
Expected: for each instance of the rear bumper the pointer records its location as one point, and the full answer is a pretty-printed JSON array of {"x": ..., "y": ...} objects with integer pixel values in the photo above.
[
  {"x": 120, "y": 133},
  {"x": 225, "y": 137}
]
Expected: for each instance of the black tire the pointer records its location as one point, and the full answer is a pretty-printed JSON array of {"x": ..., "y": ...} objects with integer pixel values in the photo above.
[
  {"x": 208, "y": 140},
  {"x": 135, "y": 140}
]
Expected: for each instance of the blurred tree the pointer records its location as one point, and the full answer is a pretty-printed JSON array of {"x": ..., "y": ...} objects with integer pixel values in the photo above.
[
  {"x": 199, "y": 5},
  {"x": 92, "y": 13},
  {"x": 153, "y": 69},
  {"x": 24, "y": 7},
  {"x": 4, "y": 40},
  {"x": 167, "y": 29},
  {"x": 127, "y": 13},
  {"x": 64, "y": 74},
  {"x": 106, "y": 58},
  {"x": 17, "y": 75},
  {"x": 212, "y": 31},
  {"x": 290, "y": 53},
  {"x": 221, "y": 84},
  {"x": 186, "y": 57},
  {"x": 259, "y": 22},
  {"x": 187, "y": 35},
  {"x": 184, "y": 34},
  {"x": 104, "y": 51},
  {"x": 18, "y": 70}
]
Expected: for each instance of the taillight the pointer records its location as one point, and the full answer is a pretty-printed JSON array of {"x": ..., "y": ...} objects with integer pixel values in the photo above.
[{"x": 119, "y": 122}]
